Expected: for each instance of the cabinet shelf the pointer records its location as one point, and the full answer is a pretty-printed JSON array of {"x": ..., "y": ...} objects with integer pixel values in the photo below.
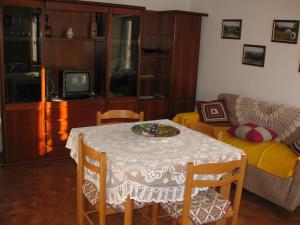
[
  {"x": 155, "y": 56},
  {"x": 154, "y": 77},
  {"x": 76, "y": 39},
  {"x": 22, "y": 39},
  {"x": 158, "y": 34},
  {"x": 152, "y": 97}
]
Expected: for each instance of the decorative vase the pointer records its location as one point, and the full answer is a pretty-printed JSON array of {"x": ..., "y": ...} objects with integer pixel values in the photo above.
[{"x": 70, "y": 32}]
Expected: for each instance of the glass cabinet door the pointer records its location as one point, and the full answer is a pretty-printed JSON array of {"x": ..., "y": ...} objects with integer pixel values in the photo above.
[
  {"x": 124, "y": 55},
  {"x": 22, "y": 56}
]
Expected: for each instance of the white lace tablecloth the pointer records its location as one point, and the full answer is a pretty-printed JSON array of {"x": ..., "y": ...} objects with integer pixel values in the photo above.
[{"x": 149, "y": 168}]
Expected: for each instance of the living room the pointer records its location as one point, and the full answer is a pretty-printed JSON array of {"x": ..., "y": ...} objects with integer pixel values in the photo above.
[{"x": 221, "y": 68}]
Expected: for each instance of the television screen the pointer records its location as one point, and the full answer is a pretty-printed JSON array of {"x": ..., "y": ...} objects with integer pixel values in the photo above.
[{"x": 77, "y": 82}]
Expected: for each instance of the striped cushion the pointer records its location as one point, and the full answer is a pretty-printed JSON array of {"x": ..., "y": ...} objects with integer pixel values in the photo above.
[
  {"x": 90, "y": 191},
  {"x": 252, "y": 132},
  {"x": 206, "y": 207}
]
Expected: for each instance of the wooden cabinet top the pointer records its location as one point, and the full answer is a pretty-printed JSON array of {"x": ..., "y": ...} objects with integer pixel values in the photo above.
[{"x": 62, "y": 3}]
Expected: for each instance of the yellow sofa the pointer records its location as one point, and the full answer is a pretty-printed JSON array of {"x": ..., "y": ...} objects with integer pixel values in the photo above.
[
  {"x": 267, "y": 155},
  {"x": 273, "y": 170}
]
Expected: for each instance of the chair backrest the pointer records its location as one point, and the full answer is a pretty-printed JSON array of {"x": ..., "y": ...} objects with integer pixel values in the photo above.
[
  {"x": 234, "y": 171},
  {"x": 85, "y": 152},
  {"x": 121, "y": 115},
  {"x": 204, "y": 128}
]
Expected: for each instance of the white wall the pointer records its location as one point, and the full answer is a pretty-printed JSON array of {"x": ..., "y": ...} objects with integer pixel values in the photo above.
[
  {"x": 220, "y": 67},
  {"x": 153, "y": 4}
]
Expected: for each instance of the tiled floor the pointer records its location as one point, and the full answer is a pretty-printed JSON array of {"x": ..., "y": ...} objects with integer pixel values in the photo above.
[{"x": 45, "y": 194}]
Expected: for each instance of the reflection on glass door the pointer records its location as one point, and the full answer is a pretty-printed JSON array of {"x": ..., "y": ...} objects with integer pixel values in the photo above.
[
  {"x": 22, "y": 54},
  {"x": 124, "y": 55}
]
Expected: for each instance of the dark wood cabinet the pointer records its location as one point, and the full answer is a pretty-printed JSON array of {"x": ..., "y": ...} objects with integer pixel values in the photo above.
[
  {"x": 137, "y": 60},
  {"x": 156, "y": 58},
  {"x": 185, "y": 59},
  {"x": 37, "y": 47},
  {"x": 169, "y": 62},
  {"x": 86, "y": 50},
  {"x": 23, "y": 130},
  {"x": 128, "y": 103},
  {"x": 154, "y": 109}
]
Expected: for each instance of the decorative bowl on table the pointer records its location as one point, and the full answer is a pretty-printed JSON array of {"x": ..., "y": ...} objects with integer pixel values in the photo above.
[{"x": 155, "y": 130}]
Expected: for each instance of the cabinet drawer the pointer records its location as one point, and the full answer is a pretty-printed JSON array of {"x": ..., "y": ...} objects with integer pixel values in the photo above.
[
  {"x": 65, "y": 125},
  {"x": 72, "y": 113}
]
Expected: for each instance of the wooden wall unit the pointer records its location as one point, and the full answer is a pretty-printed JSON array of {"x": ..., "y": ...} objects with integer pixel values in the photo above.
[
  {"x": 169, "y": 62},
  {"x": 156, "y": 58},
  {"x": 160, "y": 82},
  {"x": 185, "y": 60},
  {"x": 37, "y": 128}
]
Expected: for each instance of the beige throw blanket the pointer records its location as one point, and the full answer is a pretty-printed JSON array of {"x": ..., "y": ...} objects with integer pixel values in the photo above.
[{"x": 281, "y": 118}]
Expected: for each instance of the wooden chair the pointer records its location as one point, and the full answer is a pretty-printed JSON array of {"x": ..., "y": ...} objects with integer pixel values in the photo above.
[
  {"x": 198, "y": 210},
  {"x": 88, "y": 190},
  {"x": 85, "y": 152},
  {"x": 123, "y": 115},
  {"x": 204, "y": 128}
]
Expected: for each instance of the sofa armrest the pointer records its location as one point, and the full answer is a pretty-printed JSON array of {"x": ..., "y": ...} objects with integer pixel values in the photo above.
[
  {"x": 293, "y": 200},
  {"x": 181, "y": 118}
]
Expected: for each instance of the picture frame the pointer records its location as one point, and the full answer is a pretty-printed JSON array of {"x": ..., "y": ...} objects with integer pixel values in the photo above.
[
  {"x": 254, "y": 55},
  {"x": 231, "y": 29},
  {"x": 285, "y": 31}
]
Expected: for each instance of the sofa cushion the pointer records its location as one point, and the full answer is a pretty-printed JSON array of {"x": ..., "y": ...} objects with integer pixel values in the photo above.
[
  {"x": 190, "y": 116},
  {"x": 267, "y": 156},
  {"x": 213, "y": 112},
  {"x": 92, "y": 194},
  {"x": 230, "y": 105},
  {"x": 252, "y": 132},
  {"x": 206, "y": 207}
]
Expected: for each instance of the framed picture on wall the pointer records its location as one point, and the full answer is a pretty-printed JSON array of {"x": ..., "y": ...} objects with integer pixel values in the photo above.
[
  {"x": 285, "y": 31},
  {"x": 254, "y": 55},
  {"x": 231, "y": 29}
]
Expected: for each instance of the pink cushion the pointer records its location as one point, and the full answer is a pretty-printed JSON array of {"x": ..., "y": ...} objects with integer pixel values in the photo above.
[{"x": 252, "y": 132}]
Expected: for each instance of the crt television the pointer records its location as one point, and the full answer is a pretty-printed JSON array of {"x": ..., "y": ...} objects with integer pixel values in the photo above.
[{"x": 76, "y": 84}]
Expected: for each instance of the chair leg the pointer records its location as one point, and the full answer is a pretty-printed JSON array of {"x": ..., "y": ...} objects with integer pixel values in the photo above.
[
  {"x": 128, "y": 214},
  {"x": 174, "y": 222},
  {"x": 222, "y": 222},
  {"x": 102, "y": 216},
  {"x": 154, "y": 214},
  {"x": 234, "y": 220},
  {"x": 80, "y": 208}
]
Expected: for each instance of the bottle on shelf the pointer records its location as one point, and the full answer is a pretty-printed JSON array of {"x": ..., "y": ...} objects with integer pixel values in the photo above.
[
  {"x": 48, "y": 29},
  {"x": 93, "y": 27}
]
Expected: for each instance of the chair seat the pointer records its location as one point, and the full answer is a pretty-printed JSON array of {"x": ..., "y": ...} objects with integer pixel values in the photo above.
[
  {"x": 90, "y": 191},
  {"x": 206, "y": 207}
]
